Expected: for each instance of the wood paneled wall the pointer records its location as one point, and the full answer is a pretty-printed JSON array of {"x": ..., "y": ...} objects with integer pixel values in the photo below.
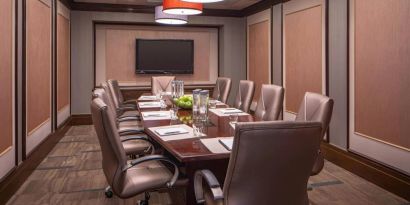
[
  {"x": 38, "y": 66},
  {"x": 303, "y": 51},
  {"x": 63, "y": 62},
  {"x": 259, "y": 50},
  {"x": 116, "y": 53},
  {"x": 6, "y": 75},
  {"x": 380, "y": 81}
]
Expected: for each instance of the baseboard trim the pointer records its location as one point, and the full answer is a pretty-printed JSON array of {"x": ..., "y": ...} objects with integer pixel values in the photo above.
[
  {"x": 81, "y": 119},
  {"x": 10, "y": 184},
  {"x": 376, "y": 173}
]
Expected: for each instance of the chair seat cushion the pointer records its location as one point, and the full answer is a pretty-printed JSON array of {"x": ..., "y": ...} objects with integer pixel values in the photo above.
[
  {"x": 135, "y": 147},
  {"x": 131, "y": 123},
  {"x": 131, "y": 113},
  {"x": 146, "y": 176}
]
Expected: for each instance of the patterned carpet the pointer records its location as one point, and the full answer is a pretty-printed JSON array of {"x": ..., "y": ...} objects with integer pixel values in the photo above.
[{"x": 72, "y": 174}]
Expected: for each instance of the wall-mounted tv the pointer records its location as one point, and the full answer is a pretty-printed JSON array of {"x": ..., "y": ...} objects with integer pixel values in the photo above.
[{"x": 164, "y": 56}]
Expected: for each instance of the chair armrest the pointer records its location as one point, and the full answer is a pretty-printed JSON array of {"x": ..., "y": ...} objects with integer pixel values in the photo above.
[
  {"x": 155, "y": 158},
  {"x": 142, "y": 138},
  {"x": 212, "y": 182},
  {"x": 129, "y": 118},
  {"x": 123, "y": 109},
  {"x": 130, "y": 102},
  {"x": 130, "y": 131}
]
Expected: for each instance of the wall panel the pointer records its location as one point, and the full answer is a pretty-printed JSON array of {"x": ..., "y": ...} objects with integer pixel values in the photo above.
[
  {"x": 380, "y": 78},
  {"x": 259, "y": 50},
  {"x": 304, "y": 52},
  {"x": 38, "y": 71},
  {"x": 63, "y": 64},
  {"x": 116, "y": 53},
  {"x": 7, "y": 154}
]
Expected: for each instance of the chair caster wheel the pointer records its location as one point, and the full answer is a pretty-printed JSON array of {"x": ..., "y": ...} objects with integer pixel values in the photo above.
[
  {"x": 108, "y": 192},
  {"x": 143, "y": 202}
]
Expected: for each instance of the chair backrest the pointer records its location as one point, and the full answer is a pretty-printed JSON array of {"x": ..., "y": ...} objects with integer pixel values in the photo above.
[
  {"x": 271, "y": 162},
  {"x": 161, "y": 84},
  {"x": 245, "y": 95},
  {"x": 316, "y": 107},
  {"x": 270, "y": 102},
  {"x": 222, "y": 89},
  {"x": 115, "y": 91},
  {"x": 100, "y": 93},
  {"x": 114, "y": 158}
]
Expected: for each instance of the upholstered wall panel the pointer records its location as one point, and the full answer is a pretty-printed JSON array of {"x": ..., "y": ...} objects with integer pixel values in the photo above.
[
  {"x": 382, "y": 71},
  {"x": 258, "y": 55},
  {"x": 115, "y": 52},
  {"x": 6, "y": 75},
  {"x": 63, "y": 62},
  {"x": 303, "y": 55},
  {"x": 38, "y": 68}
]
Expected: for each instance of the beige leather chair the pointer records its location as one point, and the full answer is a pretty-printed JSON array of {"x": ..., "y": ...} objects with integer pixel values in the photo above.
[
  {"x": 318, "y": 108},
  {"x": 118, "y": 98},
  {"x": 128, "y": 178},
  {"x": 270, "y": 103},
  {"x": 270, "y": 163},
  {"x": 245, "y": 95},
  {"x": 222, "y": 89},
  {"x": 161, "y": 84},
  {"x": 134, "y": 140},
  {"x": 121, "y": 111}
]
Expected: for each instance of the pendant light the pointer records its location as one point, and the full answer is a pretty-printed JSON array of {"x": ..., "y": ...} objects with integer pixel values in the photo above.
[
  {"x": 164, "y": 18},
  {"x": 179, "y": 7},
  {"x": 203, "y": 1}
]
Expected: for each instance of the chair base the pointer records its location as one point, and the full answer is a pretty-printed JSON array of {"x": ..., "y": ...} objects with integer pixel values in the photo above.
[
  {"x": 108, "y": 192},
  {"x": 145, "y": 201}
]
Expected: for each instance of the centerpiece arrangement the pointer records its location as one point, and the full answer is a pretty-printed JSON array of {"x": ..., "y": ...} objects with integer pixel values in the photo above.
[{"x": 184, "y": 102}]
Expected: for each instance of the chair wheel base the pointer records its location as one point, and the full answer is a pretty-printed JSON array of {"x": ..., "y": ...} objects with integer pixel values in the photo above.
[
  {"x": 143, "y": 202},
  {"x": 108, "y": 192}
]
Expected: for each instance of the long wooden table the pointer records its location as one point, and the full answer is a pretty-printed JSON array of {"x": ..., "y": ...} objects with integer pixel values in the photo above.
[{"x": 191, "y": 153}]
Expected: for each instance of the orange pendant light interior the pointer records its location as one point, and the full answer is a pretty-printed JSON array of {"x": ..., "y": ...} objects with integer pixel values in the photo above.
[{"x": 179, "y": 7}]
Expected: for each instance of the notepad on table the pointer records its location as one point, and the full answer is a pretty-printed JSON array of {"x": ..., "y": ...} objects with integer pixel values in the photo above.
[
  {"x": 171, "y": 131},
  {"x": 227, "y": 143},
  {"x": 148, "y": 97},
  {"x": 230, "y": 111},
  {"x": 149, "y": 104}
]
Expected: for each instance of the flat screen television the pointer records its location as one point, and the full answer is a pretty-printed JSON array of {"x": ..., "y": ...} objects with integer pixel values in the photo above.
[{"x": 164, "y": 56}]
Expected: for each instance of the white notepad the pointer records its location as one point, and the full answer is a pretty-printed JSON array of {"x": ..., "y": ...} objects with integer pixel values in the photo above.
[
  {"x": 148, "y": 97},
  {"x": 227, "y": 143},
  {"x": 149, "y": 104},
  {"x": 171, "y": 131},
  {"x": 156, "y": 115}
]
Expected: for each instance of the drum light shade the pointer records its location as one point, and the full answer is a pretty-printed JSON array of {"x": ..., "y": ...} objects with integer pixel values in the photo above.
[
  {"x": 203, "y": 1},
  {"x": 164, "y": 18},
  {"x": 179, "y": 7}
]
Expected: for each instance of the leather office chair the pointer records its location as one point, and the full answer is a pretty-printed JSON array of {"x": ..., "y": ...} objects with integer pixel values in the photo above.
[
  {"x": 245, "y": 95},
  {"x": 319, "y": 108},
  {"x": 270, "y": 103},
  {"x": 125, "y": 178},
  {"x": 161, "y": 84},
  {"x": 121, "y": 111},
  {"x": 118, "y": 98},
  {"x": 134, "y": 140},
  {"x": 270, "y": 163},
  {"x": 222, "y": 89}
]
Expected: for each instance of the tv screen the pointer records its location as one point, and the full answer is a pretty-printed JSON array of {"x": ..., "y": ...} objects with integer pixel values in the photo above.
[{"x": 164, "y": 56}]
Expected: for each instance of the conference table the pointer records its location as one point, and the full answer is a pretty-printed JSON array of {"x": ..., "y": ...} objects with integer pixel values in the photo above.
[{"x": 191, "y": 154}]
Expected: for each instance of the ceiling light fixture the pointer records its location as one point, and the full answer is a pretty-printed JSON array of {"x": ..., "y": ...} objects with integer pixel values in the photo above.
[
  {"x": 164, "y": 18},
  {"x": 179, "y": 7},
  {"x": 203, "y": 1}
]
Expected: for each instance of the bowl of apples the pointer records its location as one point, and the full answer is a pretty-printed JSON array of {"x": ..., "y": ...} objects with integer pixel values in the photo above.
[{"x": 184, "y": 102}]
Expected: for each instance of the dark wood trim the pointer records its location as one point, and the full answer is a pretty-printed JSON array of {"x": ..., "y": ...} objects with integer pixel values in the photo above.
[
  {"x": 383, "y": 176},
  {"x": 16, "y": 83},
  {"x": 81, "y": 119},
  {"x": 348, "y": 76},
  {"x": 66, "y": 3},
  {"x": 260, "y": 6},
  {"x": 95, "y": 23},
  {"x": 23, "y": 81},
  {"x": 10, "y": 184}
]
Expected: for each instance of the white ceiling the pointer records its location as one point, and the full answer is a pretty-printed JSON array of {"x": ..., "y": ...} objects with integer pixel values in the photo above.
[{"x": 226, "y": 4}]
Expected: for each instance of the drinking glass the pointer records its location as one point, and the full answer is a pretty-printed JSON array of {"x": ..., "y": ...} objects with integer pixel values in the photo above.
[
  {"x": 233, "y": 119},
  {"x": 212, "y": 104},
  {"x": 174, "y": 112},
  {"x": 198, "y": 127}
]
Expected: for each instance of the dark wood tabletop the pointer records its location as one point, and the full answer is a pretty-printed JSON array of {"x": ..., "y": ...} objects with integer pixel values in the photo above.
[{"x": 192, "y": 149}]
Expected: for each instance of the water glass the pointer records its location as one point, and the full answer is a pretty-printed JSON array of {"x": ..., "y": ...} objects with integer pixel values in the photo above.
[
  {"x": 212, "y": 104},
  {"x": 198, "y": 127},
  {"x": 174, "y": 112},
  {"x": 233, "y": 119}
]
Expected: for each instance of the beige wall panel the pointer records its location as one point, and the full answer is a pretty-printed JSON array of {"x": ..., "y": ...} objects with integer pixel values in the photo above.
[
  {"x": 63, "y": 62},
  {"x": 258, "y": 42},
  {"x": 6, "y": 71},
  {"x": 38, "y": 63},
  {"x": 120, "y": 52},
  {"x": 303, "y": 55},
  {"x": 382, "y": 70}
]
